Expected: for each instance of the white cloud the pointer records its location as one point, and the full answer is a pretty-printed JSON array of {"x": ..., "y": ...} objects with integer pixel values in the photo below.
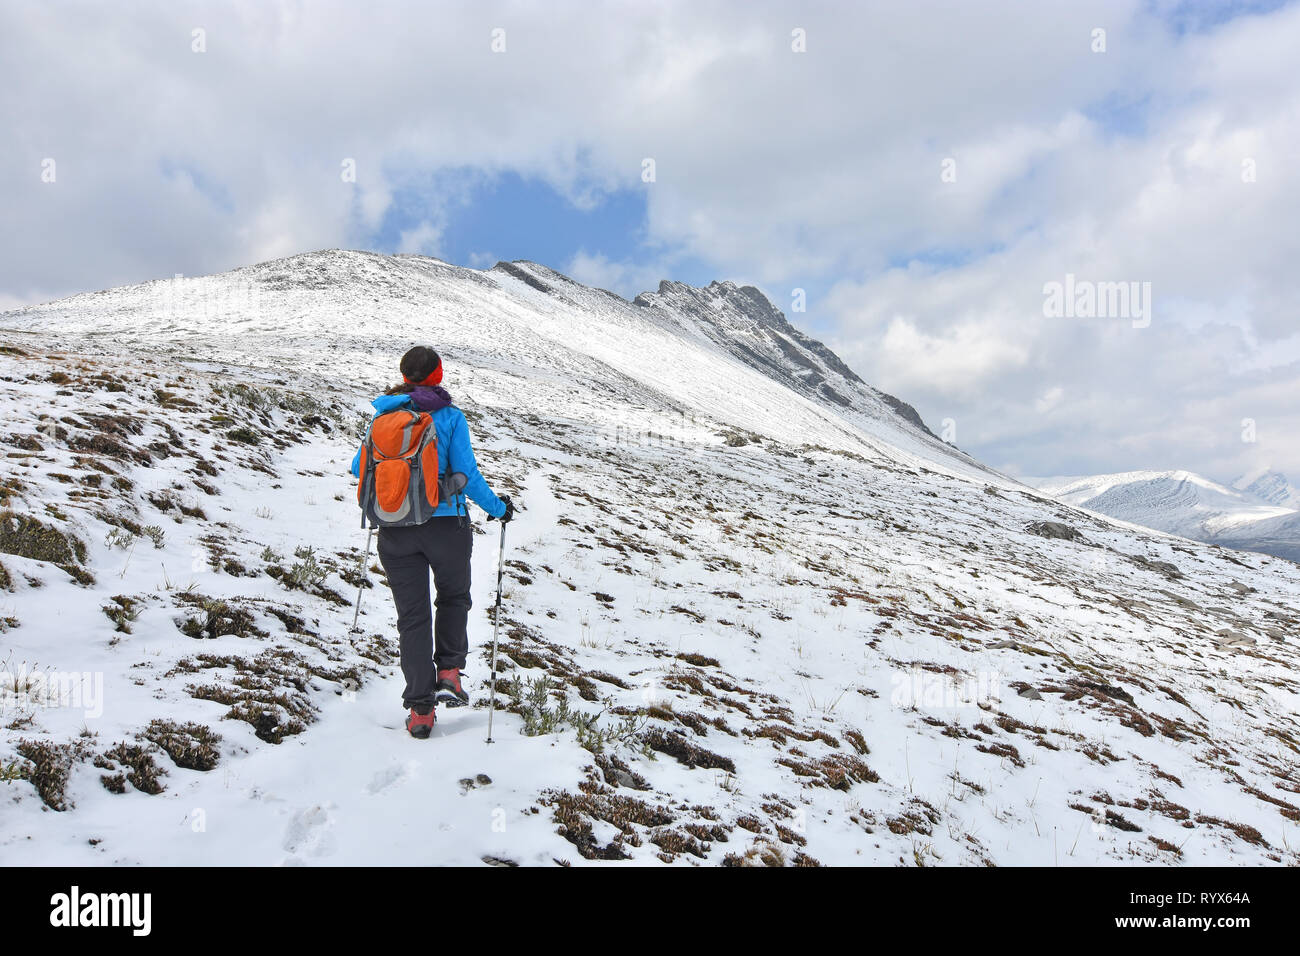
[
  {"x": 813, "y": 169},
  {"x": 423, "y": 240},
  {"x": 627, "y": 279},
  {"x": 1049, "y": 400},
  {"x": 964, "y": 357}
]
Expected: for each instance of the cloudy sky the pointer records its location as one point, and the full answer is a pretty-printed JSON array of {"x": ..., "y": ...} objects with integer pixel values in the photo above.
[{"x": 922, "y": 170}]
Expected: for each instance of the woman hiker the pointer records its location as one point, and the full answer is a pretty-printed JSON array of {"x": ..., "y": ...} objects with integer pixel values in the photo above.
[{"x": 433, "y": 648}]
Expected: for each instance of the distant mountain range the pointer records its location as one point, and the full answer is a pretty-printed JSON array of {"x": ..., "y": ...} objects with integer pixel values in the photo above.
[
  {"x": 1258, "y": 512},
  {"x": 1270, "y": 486}
]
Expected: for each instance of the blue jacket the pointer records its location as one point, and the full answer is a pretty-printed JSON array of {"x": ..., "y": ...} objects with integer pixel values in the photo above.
[{"x": 454, "y": 454}]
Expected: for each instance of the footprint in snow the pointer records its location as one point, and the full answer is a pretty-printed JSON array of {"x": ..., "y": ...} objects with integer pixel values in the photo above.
[
  {"x": 388, "y": 777},
  {"x": 309, "y": 832}
]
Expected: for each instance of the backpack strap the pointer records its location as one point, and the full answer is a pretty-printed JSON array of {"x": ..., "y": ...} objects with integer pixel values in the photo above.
[
  {"x": 367, "y": 474},
  {"x": 452, "y": 484}
]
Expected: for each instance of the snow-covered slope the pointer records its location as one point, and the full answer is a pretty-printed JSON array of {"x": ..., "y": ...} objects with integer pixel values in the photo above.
[
  {"x": 745, "y": 622},
  {"x": 1270, "y": 486},
  {"x": 332, "y": 308},
  {"x": 741, "y": 321},
  {"x": 1186, "y": 504}
]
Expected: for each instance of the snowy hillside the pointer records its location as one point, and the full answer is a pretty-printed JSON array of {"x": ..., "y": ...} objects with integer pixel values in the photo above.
[
  {"x": 747, "y": 326},
  {"x": 1182, "y": 503},
  {"x": 755, "y": 612},
  {"x": 1270, "y": 486}
]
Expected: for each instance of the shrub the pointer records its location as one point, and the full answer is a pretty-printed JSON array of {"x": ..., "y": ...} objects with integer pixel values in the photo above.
[
  {"x": 677, "y": 746},
  {"x": 50, "y": 766},
  {"x": 191, "y": 746},
  {"x": 218, "y": 619},
  {"x": 544, "y": 714},
  {"x": 119, "y": 538},
  {"x": 307, "y": 571},
  {"x": 245, "y": 436},
  {"x": 122, "y": 611},
  {"x": 29, "y": 537},
  {"x": 141, "y": 769}
]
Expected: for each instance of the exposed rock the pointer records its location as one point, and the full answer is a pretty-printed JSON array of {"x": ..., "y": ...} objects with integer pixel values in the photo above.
[
  {"x": 745, "y": 323},
  {"x": 1054, "y": 529},
  {"x": 1160, "y": 567},
  {"x": 1227, "y": 638}
]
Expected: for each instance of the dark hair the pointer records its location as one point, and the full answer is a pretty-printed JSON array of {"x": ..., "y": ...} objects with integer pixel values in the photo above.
[{"x": 416, "y": 365}]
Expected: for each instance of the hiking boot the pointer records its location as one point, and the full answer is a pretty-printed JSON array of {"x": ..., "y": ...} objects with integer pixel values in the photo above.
[
  {"x": 448, "y": 690},
  {"x": 420, "y": 725}
]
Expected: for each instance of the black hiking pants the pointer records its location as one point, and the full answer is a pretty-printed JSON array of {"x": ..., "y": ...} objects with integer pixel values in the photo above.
[{"x": 429, "y": 643}]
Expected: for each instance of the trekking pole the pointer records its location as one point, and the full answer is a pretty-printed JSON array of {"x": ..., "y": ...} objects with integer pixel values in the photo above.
[
  {"x": 496, "y": 627},
  {"x": 361, "y": 580}
]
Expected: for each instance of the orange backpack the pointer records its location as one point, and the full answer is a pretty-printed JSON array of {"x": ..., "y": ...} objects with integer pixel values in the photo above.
[{"x": 399, "y": 479}]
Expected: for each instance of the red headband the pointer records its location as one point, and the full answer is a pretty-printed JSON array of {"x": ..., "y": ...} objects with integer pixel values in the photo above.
[{"x": 433, "y": 378}]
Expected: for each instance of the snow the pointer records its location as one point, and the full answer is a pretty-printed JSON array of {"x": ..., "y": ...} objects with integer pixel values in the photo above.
[
  {"x": 701, "y": 550},
  {"x": 1271, "y": 486},
  {"x": 1187, "y": 504}
]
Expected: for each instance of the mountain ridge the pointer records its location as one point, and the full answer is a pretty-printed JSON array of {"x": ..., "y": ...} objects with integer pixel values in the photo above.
[
  {"x": 1270, "y": 486},
  {"x": 1190, "y": 505},
  {"x": 827, "y": 379}
]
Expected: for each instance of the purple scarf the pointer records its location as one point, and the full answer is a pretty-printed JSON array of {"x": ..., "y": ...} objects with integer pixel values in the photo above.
[{"x": 430, "y": 398}]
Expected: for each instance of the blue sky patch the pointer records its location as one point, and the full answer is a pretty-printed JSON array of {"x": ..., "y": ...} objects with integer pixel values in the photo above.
[
  {"x": 505, "y": 215},
  {"x": 1202, "y": 16}
]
